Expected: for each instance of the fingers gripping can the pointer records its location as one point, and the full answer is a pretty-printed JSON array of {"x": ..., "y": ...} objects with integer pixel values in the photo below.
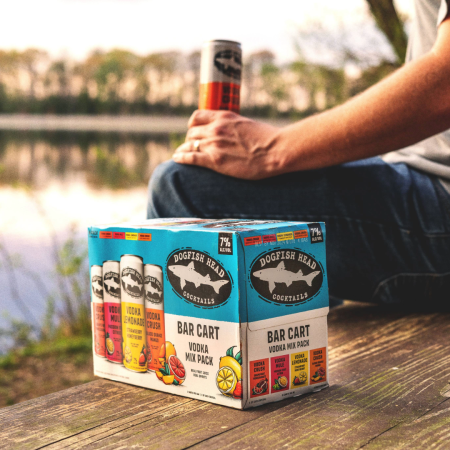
[
  {"x": 132, "y": 308},
  {"x": 113, "y": 321},
  {"x": 154, "y": 314},
  {"x": 220, "y": 75},
  {"x": 98, "y": 312}
]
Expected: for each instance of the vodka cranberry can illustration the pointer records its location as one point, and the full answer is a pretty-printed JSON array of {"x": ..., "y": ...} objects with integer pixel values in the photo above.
[
  {"x": 286, "y": 276},
  {"x": 198, "y": 278}
]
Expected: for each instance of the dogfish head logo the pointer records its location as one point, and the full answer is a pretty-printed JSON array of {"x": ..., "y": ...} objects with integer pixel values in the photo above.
[
  {"x": 132, "y": 282},
  {"x": 153, "y": 290},
  {"x": 229, "y": 63},
  {"x": 97, "y": 286},
  {"x": 112, "y": 284},
  {"x": 198, "y": 278},
  {"x": 287, "y": 277}
]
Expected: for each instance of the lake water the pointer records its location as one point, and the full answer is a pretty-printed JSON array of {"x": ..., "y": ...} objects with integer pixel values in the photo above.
[{"x": 53, "y": 185}]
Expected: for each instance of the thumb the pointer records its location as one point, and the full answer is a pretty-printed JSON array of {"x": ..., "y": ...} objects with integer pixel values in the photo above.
[{"x": 202, "y": 117}]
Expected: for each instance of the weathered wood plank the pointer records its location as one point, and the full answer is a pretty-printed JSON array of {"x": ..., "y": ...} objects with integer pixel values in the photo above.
[
  {"x": 431, "y": 430},
  {"x": 387, "y": 370},
  {"x": 379, "y": 380}
]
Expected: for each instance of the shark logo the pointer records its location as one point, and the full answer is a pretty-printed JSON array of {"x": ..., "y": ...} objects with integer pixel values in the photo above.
[
  {"x": 132, "y": 282},
  {"x": 286, "y": 276},
  {"x": 97, "y": 286},
  {"x": 190, "y": 274},
  {"x": 112, "y": 284},
  {"x": 229, "y": 63},
  {"x": 280, "y": 275},
  {"x": 153, "y": 290},
  {"x": 198, "y": 278}
]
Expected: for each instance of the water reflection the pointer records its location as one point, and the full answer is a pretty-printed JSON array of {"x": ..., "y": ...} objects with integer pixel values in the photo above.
[
  {"x": 53, "y": 185},
  {"x": 115, "y": 161}
]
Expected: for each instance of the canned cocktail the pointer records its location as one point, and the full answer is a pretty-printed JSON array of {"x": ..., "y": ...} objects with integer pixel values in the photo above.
[
  {"x": 133, "y": 319},
  {"x": 113, "y": 323},
  {"x": 154, "y": 314},
  {"x": 98, "y": 312},
  {"x": 220, "y": 75}
]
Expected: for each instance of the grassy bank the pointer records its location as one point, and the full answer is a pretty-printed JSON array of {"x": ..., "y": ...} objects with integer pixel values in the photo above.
[{"x": 44, "y": 367}]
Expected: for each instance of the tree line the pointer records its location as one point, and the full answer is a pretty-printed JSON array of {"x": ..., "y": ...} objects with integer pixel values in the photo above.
[{"x": 121, "y": 82}]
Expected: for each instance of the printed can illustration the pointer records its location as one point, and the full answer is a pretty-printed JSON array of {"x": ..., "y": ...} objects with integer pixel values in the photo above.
[
  {"x": 113, "y": 321},
  {"x": 133, "y": 315},
  {"x": 98, "y": 312},
  {"x": 154, "y": 316},
  {"x": 229, "y": 375},
  {"x": 220, "y": 75}
]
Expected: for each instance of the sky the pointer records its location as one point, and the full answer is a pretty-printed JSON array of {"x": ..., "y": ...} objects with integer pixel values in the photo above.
[{"x": 76, "y": 27}]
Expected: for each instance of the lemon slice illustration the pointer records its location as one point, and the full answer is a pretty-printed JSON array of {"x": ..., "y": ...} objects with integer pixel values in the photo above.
[
  {"x": 282, "y": 381},
  {"x": 127, "y": 354},
  {"x": 226, "y": 380},
  {"x": 302, "y": 377},
  {"x": 110, "y": 346}
]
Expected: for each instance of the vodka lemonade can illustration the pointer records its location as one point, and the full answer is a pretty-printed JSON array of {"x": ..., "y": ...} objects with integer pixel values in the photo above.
[
  {"x": 134, "y": 345},
  {"x": 98, "y": 312},
  {"x": 220, "y": 75},
  {"x": 113, "y": 321},
  {"x": 154, "y": 316}
]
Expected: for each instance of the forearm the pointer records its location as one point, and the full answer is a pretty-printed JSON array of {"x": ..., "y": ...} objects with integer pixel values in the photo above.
[{"x": 407, "y": 107}]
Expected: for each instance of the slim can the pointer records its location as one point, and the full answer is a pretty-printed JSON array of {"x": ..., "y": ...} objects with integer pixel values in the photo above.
[
  {"x": 113, "y": 321},
  {"x": 132, "y": 308},
  {"x": 98, "y": 312},
  {"x": 220, "y": 75},
  {"x": 154, "y": 315}
]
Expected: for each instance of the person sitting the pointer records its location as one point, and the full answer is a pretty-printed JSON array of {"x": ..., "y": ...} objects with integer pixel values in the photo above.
[{"x": 387, "y": 217}]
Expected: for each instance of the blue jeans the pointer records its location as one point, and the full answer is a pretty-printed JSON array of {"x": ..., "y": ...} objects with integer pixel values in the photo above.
[{"x": 388, "y": 225}]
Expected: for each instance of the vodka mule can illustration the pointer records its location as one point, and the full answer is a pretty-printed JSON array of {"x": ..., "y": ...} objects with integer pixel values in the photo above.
[
  {"x": 220, "y": 75},
  {"x": 132, "y": 309},
  {"x": 98, "y": 312},
  {"x": 113, "y": 322},
  {"x": 154, "y": 315}
]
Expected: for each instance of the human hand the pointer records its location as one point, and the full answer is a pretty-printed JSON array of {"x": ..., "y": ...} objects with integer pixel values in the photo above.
[{"x": 231, "y": 144}]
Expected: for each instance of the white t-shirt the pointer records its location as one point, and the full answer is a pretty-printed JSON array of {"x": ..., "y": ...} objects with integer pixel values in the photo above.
[{"x": 433, "y": 154}]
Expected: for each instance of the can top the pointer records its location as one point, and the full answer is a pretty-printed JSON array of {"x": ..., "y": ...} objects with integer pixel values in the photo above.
[
  {"x": 111, "y": 260},
  {"x": 222, "y": 41},
  {"x": 136, "y": 256},
  {"x": 95, "y": 265}
]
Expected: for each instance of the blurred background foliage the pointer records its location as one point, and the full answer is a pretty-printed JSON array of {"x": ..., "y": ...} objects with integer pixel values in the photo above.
[{"x": 121, "y": 82}]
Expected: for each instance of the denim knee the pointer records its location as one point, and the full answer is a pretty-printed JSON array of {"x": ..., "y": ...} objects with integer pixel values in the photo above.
[{"x": 166, "y": 191}]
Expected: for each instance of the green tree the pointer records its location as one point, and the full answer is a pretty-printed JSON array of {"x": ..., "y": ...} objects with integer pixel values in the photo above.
[
  {"x": 9, "y": 69},
  {"x": 392, "y": 26},
  {"x": 30, "y": 60},
  {"x": 273, "y": 85},
  {"x": 59, "y": 74},
  {"x": 165, "y": 65},
  {"x": 114, "y": 68}
]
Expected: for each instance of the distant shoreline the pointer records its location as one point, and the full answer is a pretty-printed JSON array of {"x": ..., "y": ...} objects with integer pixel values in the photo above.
[
  {"x": 103, "y": 123},
  {"x": 128, "y": 124}
]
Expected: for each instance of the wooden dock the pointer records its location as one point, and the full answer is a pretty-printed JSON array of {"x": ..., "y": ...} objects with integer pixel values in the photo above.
[{"x": 389, "y": 389}]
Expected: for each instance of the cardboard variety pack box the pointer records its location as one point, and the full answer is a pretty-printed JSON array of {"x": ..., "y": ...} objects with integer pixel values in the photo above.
[{"x": 233, "y": 312}]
